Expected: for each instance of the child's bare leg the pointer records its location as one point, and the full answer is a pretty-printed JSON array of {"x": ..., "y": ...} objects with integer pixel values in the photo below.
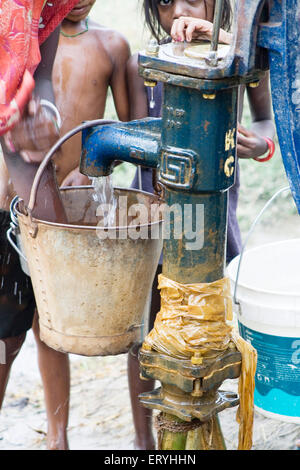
[
  {"x": 55, "y": 373},
  {"x": 142, "y": 417},
  {"x": 22, "y": 175},
  {"x": 11, "y": 348}
]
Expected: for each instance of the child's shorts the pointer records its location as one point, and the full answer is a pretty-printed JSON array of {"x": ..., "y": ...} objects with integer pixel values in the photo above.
[{"x": 17, "y": 303}]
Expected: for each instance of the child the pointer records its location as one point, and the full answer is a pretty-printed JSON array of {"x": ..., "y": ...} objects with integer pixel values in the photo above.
[
  {"x": 184, "y": 20},
  {"x": 88, "y": 82},
  {"x": 24, "y": 125},
  {"x": 103, "y": 56}
]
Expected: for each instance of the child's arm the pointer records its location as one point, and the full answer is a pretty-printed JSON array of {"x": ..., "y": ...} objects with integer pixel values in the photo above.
[
  {"x": 251, "y": 143},
  {"x": 120, "y": 53},
  {"x": 137, "y": 91},
  {"x": 75, "y": 178},
  {"x": 37, "y": 130},
  {"x": 187, "y": 28},
  {"x": 22, "y": 173}
]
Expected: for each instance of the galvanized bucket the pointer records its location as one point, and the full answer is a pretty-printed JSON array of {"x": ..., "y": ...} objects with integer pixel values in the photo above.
[{"x": 91, "y": 291}]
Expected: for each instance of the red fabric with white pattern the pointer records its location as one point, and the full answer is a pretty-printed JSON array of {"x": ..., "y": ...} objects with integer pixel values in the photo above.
[{"x": 24, "y": 25}]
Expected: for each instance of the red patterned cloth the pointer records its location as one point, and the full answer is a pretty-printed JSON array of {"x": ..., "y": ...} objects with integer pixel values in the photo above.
[{"x": 24, "y": 25}]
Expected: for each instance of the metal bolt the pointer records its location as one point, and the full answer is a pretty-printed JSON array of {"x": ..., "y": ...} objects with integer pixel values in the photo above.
[
  {"x": 153, "y": 47},
  {"x": 197, "y": 392},
  {"x": 197, "y": 359},
  {"x": 209, "y": 96},
  {"x": 150, "y": 83},
  {"x": 254, "y": 84},
  {"x": 212, "y": 58}
]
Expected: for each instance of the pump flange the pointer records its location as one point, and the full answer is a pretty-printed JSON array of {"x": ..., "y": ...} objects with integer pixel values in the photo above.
[
  {"x": 172, "y": 400},
  {"x": 185, "y": 375}
]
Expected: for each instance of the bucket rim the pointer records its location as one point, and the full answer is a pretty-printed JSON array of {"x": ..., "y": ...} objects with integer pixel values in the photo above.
[
  {"x": 89, "y": 227},
  {"x": 235, "y": 260}
]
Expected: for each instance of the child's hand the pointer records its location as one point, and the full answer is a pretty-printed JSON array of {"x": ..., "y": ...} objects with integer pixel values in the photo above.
[
  {"x": 187, "y": 28},
  {"x": 37, "y": 130},
  {"x": 32, "y": 157},
  {"x": 250, "y": 144},
  {"x": 75, "y": 178}
]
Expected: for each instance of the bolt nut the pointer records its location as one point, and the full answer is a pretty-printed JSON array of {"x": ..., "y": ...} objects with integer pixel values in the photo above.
[
  {"x": 152, "y": 48},
  {"x": 209, "y": 96},
  {"x": 197, "y": 359},
  {"x": 150, "y": 83},
  {"x": 254, "y": 84},
  {"x": 212, "y": 58},
  {"x": 197, "y": 392}
]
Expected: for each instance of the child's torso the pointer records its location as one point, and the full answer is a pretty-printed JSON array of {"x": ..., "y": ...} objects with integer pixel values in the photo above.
[{"x": 81, "y": 78}]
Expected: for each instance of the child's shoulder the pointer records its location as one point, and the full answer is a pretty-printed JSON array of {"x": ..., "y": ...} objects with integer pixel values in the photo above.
[{"x": 110, "y": 38}]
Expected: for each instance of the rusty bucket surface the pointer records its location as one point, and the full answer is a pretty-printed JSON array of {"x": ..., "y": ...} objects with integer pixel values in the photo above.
[{"x": 90, "y": 292}]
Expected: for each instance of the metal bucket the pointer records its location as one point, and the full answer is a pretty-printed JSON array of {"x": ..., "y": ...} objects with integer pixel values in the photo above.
[{"x": 90, "y": 292}]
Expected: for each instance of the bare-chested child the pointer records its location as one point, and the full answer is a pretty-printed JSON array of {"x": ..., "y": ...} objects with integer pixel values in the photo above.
[{"x": 90, "y": 58}]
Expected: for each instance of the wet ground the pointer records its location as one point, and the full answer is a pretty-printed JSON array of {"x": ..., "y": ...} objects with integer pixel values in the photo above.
[{"x": 100, "y": 415}]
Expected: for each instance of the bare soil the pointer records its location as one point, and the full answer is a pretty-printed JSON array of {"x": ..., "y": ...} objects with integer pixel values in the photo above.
[
  {"x": 100, "y": 414},
  {"x": 100, "y": 410}
]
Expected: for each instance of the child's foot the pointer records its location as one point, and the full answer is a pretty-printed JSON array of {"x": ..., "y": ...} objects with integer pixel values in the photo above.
[
  {"x": 57, "y": 442},
  {"x": 144, "y": 443}
]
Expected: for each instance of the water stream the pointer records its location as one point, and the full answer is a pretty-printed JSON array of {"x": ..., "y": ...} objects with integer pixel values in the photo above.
[{"x": 104, "y": 195}]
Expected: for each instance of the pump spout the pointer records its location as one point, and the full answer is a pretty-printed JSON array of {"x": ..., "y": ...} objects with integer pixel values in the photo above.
[{"x": 135, "y": 142}]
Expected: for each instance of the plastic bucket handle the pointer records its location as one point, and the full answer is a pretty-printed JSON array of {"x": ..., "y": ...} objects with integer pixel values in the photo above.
[{"x": 256, "y": 220}]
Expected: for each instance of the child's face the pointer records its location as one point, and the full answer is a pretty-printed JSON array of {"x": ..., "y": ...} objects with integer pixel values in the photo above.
[
  {"x": 81, "y": 10},
  {"x": 170, "y": 10}
]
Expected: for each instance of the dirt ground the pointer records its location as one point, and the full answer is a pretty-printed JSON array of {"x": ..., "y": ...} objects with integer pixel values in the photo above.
[{"x": 100, "y": 413}]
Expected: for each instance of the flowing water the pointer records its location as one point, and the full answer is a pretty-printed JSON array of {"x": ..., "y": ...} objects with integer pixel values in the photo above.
[{"x": 104, "y": 195}]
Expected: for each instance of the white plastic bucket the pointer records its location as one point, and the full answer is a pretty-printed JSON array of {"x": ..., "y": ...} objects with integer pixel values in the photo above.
[{"x": 268, "y": 294}]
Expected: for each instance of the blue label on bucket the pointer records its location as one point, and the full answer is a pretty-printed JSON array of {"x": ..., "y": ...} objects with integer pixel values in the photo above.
[{"x": 277, "y": 379}]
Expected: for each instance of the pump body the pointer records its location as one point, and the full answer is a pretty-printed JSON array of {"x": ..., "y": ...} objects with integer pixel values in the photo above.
[{"x": 193, "y": 147}]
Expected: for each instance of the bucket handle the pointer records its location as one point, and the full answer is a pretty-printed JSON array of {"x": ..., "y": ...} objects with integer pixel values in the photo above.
[
  {"x": 256, "y": 220},
  {"x": 9, "y": 233},
  {"x": 12, "y": 211},
  {"x": 14, "y": 227},
  {"x": 51, "y": 152}
]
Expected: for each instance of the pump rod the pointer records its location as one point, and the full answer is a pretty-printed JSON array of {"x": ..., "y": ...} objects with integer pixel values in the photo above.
[{"x": 219, "y": 5}]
